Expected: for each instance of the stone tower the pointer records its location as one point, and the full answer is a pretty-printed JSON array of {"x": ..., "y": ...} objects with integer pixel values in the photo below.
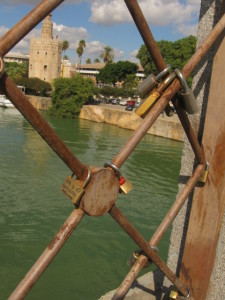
[{"x": 45, "y": 54}]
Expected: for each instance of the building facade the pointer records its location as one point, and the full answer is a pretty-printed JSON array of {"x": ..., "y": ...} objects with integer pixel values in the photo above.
[
  {"x": 45, "y": 54},
  {"x": 92, "y": 70},
  {"x": 17, "y": 57}
]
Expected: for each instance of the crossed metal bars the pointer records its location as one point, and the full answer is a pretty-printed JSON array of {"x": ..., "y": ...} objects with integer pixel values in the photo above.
[{"x": 7, "y": 42}]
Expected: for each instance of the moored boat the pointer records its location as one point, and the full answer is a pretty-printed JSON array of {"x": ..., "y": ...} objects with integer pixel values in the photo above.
[{"x": 5, "y": 102}]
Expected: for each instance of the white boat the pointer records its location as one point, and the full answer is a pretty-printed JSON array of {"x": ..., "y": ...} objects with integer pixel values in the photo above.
[{"x": 4, "y": 102}]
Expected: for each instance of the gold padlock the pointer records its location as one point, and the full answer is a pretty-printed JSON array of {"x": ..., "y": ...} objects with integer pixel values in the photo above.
[
  {"x": 204, "y": 175},
  {"x": 148, "y": 103},
  {"x": 174, "y": 295},
  {"x": 143, "y": 109},
  {"x": 125, "y": 185},
  {"x": 73, "y": 188}
]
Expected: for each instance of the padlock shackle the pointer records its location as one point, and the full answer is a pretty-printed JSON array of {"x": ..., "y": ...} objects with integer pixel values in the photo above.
[
  {"x": 150, "y": 82},
  {"x": 163, "y": 73},
  {"x": 2, "y": 66},
  {"x": 182, "y": 80}
]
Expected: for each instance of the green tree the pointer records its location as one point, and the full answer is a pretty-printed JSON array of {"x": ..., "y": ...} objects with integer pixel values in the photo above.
[
  {"x": 88, "y": 61},
  {"x": 65, "y": 46},
  {"x": 16, "y": 71},
  {"x": 35, "y": 86},
  {"x": 131, "y": 83},
  {"x": 114, "y": 72},
  {"x": 107, "y": 55},
  {"x": 80, "y": 49},
  {"x": 125, "y": 68},
  {"x": 70, "y": 94},
  {"x": 96, "y": 60},
  {"x": 174, "y": 53}
]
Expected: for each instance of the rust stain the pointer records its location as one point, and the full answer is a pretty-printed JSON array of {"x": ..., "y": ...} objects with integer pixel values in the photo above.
[{"x": 57, "y": 238}]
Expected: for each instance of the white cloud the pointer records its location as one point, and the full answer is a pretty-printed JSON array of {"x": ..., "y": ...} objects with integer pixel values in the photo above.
[
  {"x": 157, "y": 12},
  {"x": 71, "y": 34},
  {"x": 187, "y": 30},
  {"x": 132, "y": 56}
]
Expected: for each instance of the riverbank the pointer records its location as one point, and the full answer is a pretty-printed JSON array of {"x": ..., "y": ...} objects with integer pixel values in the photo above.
[{"x": 118, "y": 116}]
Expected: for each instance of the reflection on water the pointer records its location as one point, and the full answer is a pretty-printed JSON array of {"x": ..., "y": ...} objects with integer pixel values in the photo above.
[{"x": 32, "y": 208}]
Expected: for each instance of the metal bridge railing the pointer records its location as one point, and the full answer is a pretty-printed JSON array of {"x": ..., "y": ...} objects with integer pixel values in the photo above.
[{"x": 100, "y": 195}]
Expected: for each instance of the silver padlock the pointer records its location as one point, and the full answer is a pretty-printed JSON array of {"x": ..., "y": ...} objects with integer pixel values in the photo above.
[
  {"x": 149, "y": 83},
  {"x": 187, "y": 95}
]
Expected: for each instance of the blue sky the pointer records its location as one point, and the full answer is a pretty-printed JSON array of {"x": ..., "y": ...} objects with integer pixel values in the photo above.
[{"x": 103, "y": 22}]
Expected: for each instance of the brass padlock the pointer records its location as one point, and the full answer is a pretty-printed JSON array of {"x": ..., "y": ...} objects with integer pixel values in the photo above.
[
  {"x": 148, "y": 103},
  {"x": 187, "y": 95},
  {"x": 174, "y": 295},
  {"x": 125, "y": 185},
  {"x": 204, "y": 175},
  {"x": 152, "y": 81},
  {"x": 73, "y": 188}
]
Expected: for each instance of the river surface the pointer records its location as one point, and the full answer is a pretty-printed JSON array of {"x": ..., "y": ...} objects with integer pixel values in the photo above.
[{"x": 32, "y": 207}]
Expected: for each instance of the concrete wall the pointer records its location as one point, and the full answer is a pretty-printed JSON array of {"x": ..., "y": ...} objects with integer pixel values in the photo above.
[
  {"x": 40, "y": 103},
  {"x": 164, "y": 126}
]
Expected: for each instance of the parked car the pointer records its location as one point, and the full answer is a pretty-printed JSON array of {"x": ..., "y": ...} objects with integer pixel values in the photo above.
[
  {"x": 129, "y": 107},
  {"x": 131, "y": 102},
  {"x": 115, "y": 101},
  {"x": 137, "y": 104},
  {"x": 106, "y": 100},
  {"x": 123, "y": 102}
]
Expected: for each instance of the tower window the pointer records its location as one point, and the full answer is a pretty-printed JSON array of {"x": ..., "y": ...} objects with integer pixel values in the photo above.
[
  {"x": 38, "y": 52},
  {"x": 46, "y": 53}
]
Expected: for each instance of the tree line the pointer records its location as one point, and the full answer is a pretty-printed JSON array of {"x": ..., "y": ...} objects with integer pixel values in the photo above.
[
  {"x": 68, "y": 97},
  {"x": 106, "y": 55}
]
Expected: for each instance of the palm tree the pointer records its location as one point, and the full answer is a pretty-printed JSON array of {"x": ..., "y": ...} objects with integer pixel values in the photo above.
[
  {"x": 107, "y": 55},
  {"x": 88, "y": 61},
  {"x": 80, "y": 49},
  {"x": 96, "y": 60},
  {"x": 65, "y": 46}
]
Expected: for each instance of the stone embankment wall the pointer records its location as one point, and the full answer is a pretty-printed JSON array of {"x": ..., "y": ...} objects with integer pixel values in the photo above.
[
  {"x": 164, "y": 126},
  {"x": 40, "y": 103}
]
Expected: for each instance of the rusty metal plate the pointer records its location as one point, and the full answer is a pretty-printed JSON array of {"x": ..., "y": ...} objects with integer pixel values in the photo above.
[{"x": 101, "y": 193}]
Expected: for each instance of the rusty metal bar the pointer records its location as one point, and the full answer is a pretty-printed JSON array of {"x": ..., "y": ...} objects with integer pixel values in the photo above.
[
  {"x": 170, "y": 216},
  {"x": 140, "y": 241},
  {"x": 41, "y": 126},
  {"x": 147, "y": 37},
  {"x": 22, "y": 28},
  {"x": 47, "y": 256},
  {"x": 170, "y": 92}
]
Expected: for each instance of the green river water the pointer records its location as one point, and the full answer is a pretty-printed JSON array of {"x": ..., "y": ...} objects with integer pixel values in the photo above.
[{"x": 32, "y": 207}]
